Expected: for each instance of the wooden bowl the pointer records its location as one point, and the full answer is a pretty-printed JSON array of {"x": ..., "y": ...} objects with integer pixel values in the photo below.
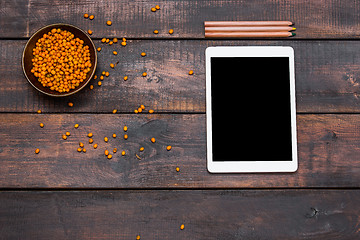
[{"x": 28, "y": 56}]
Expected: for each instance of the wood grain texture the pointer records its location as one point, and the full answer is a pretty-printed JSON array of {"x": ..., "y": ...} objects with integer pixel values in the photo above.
[
  {"x": 161, "y": 199},
  {"x": 134, "y": 19},
  {"x": 218, "y": 215},
  {"x": 326, "y": 74},
  {"x": 328, "y": 151}
]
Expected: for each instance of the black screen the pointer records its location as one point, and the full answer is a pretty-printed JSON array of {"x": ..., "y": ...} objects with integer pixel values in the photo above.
[{"x": 251, "y": 114}]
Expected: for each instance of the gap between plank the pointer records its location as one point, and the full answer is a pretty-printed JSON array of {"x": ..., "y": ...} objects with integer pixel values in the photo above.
[
  {"x": 177, "y": 189},
  {"x": 210, "y": 39}
]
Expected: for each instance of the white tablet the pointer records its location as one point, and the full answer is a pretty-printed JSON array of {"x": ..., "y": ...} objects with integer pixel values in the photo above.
[{"x": 250, "y": 109}]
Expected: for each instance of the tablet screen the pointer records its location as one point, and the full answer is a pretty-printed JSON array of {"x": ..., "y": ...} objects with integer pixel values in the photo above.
[{"x": 251, "y": 113}]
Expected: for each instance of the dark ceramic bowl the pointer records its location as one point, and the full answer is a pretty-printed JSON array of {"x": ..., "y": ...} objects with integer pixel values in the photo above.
[{"x": 28, "y": 56}]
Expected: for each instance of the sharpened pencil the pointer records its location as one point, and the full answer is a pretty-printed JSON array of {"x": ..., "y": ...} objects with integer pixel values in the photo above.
[
  {"x": 246, "y": 23},
  {"x": 247, "y": 34},
  {"x": 250, "y": 29}
]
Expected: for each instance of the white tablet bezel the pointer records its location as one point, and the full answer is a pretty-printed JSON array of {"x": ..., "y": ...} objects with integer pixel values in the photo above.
[{"x": 251, "y": 165}]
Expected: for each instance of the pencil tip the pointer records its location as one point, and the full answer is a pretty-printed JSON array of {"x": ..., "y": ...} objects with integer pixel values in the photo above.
[
  {"x": 292, "y": 23},
  {"x": 293, "y": 28},
  {"x": 293, "y": 34}
]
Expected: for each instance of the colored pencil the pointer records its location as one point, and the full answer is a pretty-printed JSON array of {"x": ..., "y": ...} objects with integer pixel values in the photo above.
[
  {"x": 250, "y": 29},
  {"x": 246, "y": 23},
  {"x": 248, "y": 34}
]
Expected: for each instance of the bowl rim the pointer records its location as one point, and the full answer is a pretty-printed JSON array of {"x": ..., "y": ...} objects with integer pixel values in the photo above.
[{"x": 75, "y": 90}]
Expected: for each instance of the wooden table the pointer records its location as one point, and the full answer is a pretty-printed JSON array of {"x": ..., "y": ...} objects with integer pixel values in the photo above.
[{"x": 62, "y": 194}]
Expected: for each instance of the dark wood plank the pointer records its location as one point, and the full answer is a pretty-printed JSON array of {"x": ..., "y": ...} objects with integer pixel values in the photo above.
[
  {"x": 327, "y": 148},
  {"x": 314, "y": 19},
  {"x": 326, "y": 73},
  {"x": 220, "y": 215}
]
